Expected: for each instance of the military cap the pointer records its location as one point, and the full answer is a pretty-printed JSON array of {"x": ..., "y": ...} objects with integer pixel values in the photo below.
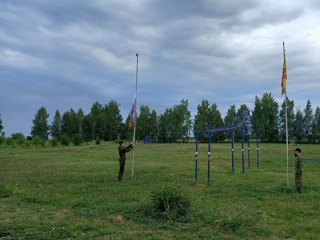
[{"x": 298, "y": 149}]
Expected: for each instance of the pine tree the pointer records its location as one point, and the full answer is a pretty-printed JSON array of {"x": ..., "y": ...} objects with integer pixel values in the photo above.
[
  {"x": 40, "y": 124},
  {"x": 298, "y": 126},
  {"x": 307, "y": 122},
  {"x": 56, "y": 126}
]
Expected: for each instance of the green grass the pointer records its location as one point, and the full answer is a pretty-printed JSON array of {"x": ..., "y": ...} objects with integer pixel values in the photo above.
[{"x": 73, "y": 193}]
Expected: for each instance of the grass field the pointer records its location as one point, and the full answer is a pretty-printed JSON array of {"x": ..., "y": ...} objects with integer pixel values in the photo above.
[{"x": 73, "y": 193}]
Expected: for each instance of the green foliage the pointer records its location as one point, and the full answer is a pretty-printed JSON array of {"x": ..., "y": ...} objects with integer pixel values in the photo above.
[
  {"x": 170, "y": 203},
  {"x": 175, "y": 123},
  {"x": 98, "y": 141},
  {"x": 208, "y": 117},
  {"x": 77, "y": 140},
  {"x": 307, "y": 122},
  {"x": 56, "y": 125},
  {"x": 316, "y": 126},
  {"x": 290, "y": 119},
  {"x": 228, "y": 120},
  {"x": 266, "y": 117},
  {"x": 2, "y": 140},
  {"x": 298, "y": 127},
  {"x": 1, "y": 126},
  {"x": 10, "y": 142},
  {"x": 40, "y": 126},
  {"x": 18, "y": 138},
  {"x": 102, "y": 122},
  {"x": 38, "y": 141},
  {"x": 146, "y": 123},
  {"x": 65, "y": 140},
  {"x": 54, "y": 142},
  {"x": 5, "y": 191}
]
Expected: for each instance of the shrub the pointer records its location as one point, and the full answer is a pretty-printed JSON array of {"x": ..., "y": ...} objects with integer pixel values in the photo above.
[
  {"x": 36, "y": 140},
  {"x": 5, "y": 191},
  {"x": 65, "y": 140},
  {"x": 170, "y": 203},
  {"x": 98, "y": 141},
  {"x": 18, "y": 138},
  {"x": 2, "y": 139},
  {"x": 77, "y": 140},
  {"x": 54, "y": 142},
  {"x": 9, "y": 141}
]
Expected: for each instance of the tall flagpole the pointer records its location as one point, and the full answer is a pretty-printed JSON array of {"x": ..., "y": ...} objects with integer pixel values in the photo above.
[
  {"x": 135, "y": 123},
  {"x": 287, "y": 139},
  {"x": 286, "y": 111}
]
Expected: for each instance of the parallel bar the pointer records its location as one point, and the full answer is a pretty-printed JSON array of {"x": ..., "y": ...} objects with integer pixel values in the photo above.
[
  {"x": 232, "y": 150},
  {"x": 196, "y": 167},
  {"x": 209, "y": 144},
  {"x": 242, "y": 130}
]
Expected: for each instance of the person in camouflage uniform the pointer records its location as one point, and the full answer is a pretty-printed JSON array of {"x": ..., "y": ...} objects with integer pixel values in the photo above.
[
  {"x": 122, "y": 156},
  {"x": 298, "y": 169}
]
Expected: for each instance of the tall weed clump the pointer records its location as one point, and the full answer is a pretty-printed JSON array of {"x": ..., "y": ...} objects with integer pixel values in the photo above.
[{"x": 169, "y": 203}]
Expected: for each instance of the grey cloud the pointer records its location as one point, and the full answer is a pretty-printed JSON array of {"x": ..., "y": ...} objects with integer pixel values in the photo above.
[{"x": 77, "y": 52}]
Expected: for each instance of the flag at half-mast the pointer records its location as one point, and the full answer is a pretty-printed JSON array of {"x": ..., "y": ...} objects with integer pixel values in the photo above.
[
  {"x": 133, "y": 113},
  {"x": 284, "y": 76}
]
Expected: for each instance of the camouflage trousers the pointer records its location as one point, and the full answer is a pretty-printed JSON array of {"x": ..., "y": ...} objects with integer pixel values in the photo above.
[
  {"x": 121, "y": 169},
  {"x": 298, "y": 181}
]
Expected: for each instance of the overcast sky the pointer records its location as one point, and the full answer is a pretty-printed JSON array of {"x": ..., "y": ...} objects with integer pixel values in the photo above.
[{"x": 69, "y": 54}]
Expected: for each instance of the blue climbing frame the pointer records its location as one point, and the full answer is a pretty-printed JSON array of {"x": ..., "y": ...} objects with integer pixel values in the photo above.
[{"x": 245, "y": 119}]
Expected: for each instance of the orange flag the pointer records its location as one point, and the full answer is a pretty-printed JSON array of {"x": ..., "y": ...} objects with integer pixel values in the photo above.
[{"x": 284, "y": 76}]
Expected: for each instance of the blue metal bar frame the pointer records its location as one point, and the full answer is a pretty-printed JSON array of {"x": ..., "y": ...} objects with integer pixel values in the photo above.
[
  {"x": 209, "y": 155},
  {"x": 242, "y": 149},
  {"x": 232, "y": 145},
  {"x": 248, "y": 151},
  {"x": 229, "y": 127},
  {"x": 196, "y": 167}
]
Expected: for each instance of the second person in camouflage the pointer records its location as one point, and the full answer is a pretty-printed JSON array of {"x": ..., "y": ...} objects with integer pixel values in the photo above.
[{"x": 298, "y": 169}]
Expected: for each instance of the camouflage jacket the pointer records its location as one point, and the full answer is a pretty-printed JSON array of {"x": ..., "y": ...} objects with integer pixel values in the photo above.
[
  {"x": 299, "y": 164},
  {"x": 122, "y": 151}
]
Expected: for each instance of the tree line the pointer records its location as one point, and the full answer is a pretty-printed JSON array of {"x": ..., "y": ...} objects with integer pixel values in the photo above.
[{"x": 105, "y": 122}]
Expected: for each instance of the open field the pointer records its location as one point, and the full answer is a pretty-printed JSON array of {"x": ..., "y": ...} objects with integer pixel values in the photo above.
[{"x": 73, "y": 193}]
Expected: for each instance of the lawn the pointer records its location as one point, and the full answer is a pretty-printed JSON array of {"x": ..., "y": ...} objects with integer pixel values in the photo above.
[{"x": 73, "y": 193}]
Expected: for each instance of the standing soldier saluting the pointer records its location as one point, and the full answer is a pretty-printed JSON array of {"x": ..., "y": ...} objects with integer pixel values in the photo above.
[
  {"x": 122, "y": 156},
  {"x": 298, "y": 169}
]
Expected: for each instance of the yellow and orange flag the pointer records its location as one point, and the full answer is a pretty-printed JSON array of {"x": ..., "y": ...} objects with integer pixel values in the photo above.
[{"x": 284, "y": 74}]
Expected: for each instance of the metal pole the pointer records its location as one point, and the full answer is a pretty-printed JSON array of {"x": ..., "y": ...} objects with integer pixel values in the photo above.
[
  {"x": 242, "y": 130},
  {"x": 258, "y": 161},
  {"x": 248, "y": 151},
  {"x": 209, "y": 153},
  {"x": 134, "y": 128},
  {"x": 232, "y": 143},
  {"x": 196, "y": 167},
  {"x": 284, "y": 71},
  {"x": 287, "y": 140}
]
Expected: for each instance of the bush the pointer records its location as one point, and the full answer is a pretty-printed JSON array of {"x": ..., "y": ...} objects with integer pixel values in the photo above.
[
  {"x": 65, "y": 140},
  {"x": 18, "y": 138},
  {"x": 36, "y": 140},
  {"x": 54, "y": 142},
  {"x": 77, "y": 140},
  {"x": 10, "y": 142},
  {"x": 170, "y": 203},
  {"x": 98, "y": 141},
  {"x": 2, "y": 139}
]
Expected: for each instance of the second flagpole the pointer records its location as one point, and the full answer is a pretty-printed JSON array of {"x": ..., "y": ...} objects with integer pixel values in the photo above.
[
  {"x": 284, "y": 74},
  {"x": 135, "y": 123}
]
